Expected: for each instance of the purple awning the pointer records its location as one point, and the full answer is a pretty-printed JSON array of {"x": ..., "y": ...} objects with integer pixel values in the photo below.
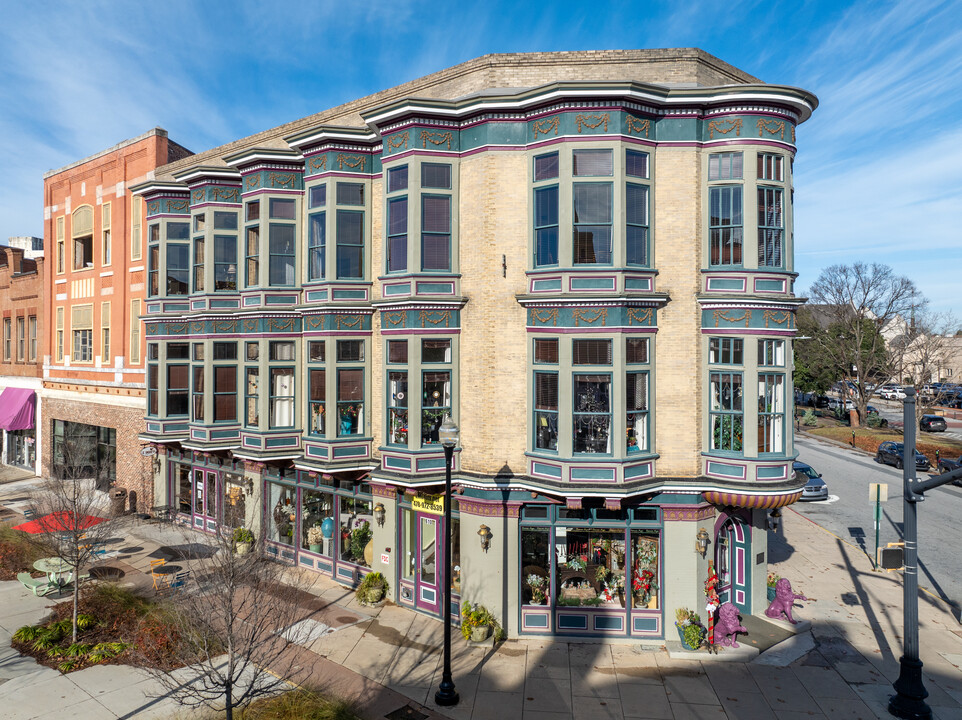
[{"x": 17, "y": 408}]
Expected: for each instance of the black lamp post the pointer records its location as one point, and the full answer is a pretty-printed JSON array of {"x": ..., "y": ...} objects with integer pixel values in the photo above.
[{"x": 448, "y": 433}]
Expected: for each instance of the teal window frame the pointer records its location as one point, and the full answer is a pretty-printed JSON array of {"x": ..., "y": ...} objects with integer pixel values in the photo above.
[
  {"x": 398, "y": 412},
  {"x": 153, "y": 389},
  {"x": 345, "y": 404},
  {"x": 439, "y": 237},
  {"x": 547, "y": 230},
  {"x": 430, "y": 413},
  {"x": 197, "y": 383},
  {"x": 726, "y": 166},
  {"x": 177, "y": 268},
  {"x": 197, "y": 251},
  {"x": 637, "y": 229},
  {"x": 252, "y": 256},
  {"x": 639, "y": 440},
  {"x": 771, "y": 413},
  {"x": 771, "y": 353},
  {"x": 317, "y": 406},
  {"x": 726, "y": 226},
  {"x": 726, "y": 412},
  {"x": 546, "y": 417},
  {"x": 281, "y": 256},
  {"x": 397, "y": 234},
  {"x": 219, "y": 394},
  {"x": 249, "y": 372},
  {"x": 316, "y": 246},
  {"x": 185, "y": 391},
  {"x": 153, "y": 270},
  {"x": 275, "y": 399},
  {"x": 348, "y": 247},
  {"x": 224, "y": 279},
  {"x": 595, "y": 251},
  {"x": 771, "y": 227},
  {"x": 726, "y": 351},
  {"x": 582, "y": 412}
]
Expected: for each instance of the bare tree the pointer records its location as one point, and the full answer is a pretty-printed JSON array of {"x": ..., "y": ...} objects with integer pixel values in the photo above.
[
  {"x": 921, "y": 351},
  {"x": 857, "y": 303},
  {"x": 72, "y": 514},
  {"x": 236, "y": 622}
]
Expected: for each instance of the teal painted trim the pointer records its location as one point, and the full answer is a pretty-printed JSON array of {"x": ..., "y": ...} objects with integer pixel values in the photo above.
[
  {"x": 778, "y": 471},
  {"x": 572, "y": 622},
  {"x": 593, "y": 283},
  {"x": 725, "y": 284},
  {"x": 273, "y": 180},
  {"x": 216, "y": 194},
  {"x": 637, "y": 283},
  {"x": 770, "y": 285},
  {"x": 176, "y": 427},
  {"x": 736, "y": 318},
  {"x": 246, "y": 326},
  {"x": 308, "y": 562},
  {"x": 317, "y": 451},
  {"x": 430, "y": 463},
  {"x": 349, "y": 452},
  {"x": 282, "y": 442},
  {"x": 176, "y": 307},
  {"x": 588, "y": 317},
  {"x": 420, "y": 319},
  {"x": 400, "y": 289},
  {"x": 349, "y": 294},
  {"x": 578, "y": 473},
  {"x": 637, "y": 471},
  {"x": 225, "y": 304},
  {"x": 154, "y": 427},
  {"x": 549, "y": 470},
  {"x": 169, "y": 206},
  {"x": 674, "y": 499},
  {"x": 254, "y": 440},
  {"x": 736, "y": 471},
  {"x": 676, "y": 129},
  {"x": 422, "y": 138},
  {"x": 341, "y": 321},
  {"x": 749, "y": 127},
  {"x": 316, "y": 295},
  {"x": 225, "y": 434},
  {"x": 644, "y": 624},
  {"x": 435, "y": 288},
  {"x": 545, "y": 285},
  {"x": 535, "y": 621},
  {"x": 396, "y": 463},
  {"x": 604, "y": 622},
  {"x": 341, "y": 161},
  {"x": 280, "y": 299}
]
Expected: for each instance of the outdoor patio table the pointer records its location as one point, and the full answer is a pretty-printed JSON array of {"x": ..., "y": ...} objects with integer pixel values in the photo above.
[{"x": 56, "y": 569}]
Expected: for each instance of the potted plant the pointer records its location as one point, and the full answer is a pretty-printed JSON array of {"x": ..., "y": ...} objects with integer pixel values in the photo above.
[
  {"x": 372, "y": 589},
  {"x": 243, "y": 540},
  {"x": 360, "y": 537},
  {"x": 773, "y": 579},
  {"x": 690, "y": 630},
  {"x": 538, "y": 586},
  {"x": 645, "y": 588},
  {"x": 315, "y": 537},
  {"x": 477, "y": 622}
]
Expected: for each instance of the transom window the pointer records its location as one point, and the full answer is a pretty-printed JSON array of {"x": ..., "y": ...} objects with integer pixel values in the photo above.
[
  {"x": 436, "y": 175},
  {"x": 726, "y": 351},
  {"x": 725, "y": 166},
  {"x": 591, "y": 352},
  {"x": 771, "y": 353},
  {"x": 317, "y": 196},
  {"x": 397, "y": 179},
  {"x": 771, "y": 413},
  {"x": 350, "y": 193},
  {"x": 546, "y": 351},
  {"x": 397, "y": 351},
  {"x": 350, "y": 350},
  {"x": 592, "y": 163},
  {"x": 771, "y": 167},
  {"x": 435, "y": 351}
]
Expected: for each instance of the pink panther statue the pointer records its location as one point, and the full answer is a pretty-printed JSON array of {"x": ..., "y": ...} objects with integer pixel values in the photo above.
[
  {"x": 784, "y": 599},
  {"x": 728, "y": 626}
]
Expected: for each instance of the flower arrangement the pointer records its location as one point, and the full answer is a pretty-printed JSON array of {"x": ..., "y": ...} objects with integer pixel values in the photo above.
[
  {"x": 578, "y": 562},
  {"x": 475, "y": 617},
  {"x": 647, "y": 551},
  {"x": 644, "y": 585},
  {"x": 315, "y": 535},
  {"x": 689, "y": 628},
  {"x": 537, "y": 585},
  {"x": 372, "y": 588},
  {"x": 773, "y": 579}
]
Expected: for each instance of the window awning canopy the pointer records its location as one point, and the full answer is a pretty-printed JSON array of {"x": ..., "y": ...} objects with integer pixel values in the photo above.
[{"x": 17, "y": 408}]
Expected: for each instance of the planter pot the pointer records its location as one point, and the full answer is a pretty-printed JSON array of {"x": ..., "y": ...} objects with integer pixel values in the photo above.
[
  {"x": 242, "y": 548},
  {"x": 681, "y": 636},
  {"x": 771, "y": 594},
  {"x": 480, "y": 634},
  {"x": 315, "y": 547}
]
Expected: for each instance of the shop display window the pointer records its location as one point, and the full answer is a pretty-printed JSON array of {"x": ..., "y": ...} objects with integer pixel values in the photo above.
[
  {"x": 183, "y": 487},
  {"x": 535, "y": 566},
  {"x": 356, "y": 533},
  {"x": 317, "y": 522},
  {"x": 645, "y": 570},
  {"x": 591, "y": 567},
  {"x": 235, "y": 501},
  {"x": 281, "y": 500}
]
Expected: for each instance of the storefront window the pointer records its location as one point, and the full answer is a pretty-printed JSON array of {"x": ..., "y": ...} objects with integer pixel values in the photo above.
[
  {"x": 408, "y": 536},
  {"x": 535, "y": 566},
  {"x": 455, "y": 564},
  {"x": 280, "y": 528},
  {"x": 645, "y": 575},
  {"x": 591, "y": 567},
  {"x": 235, "y": 504},
  {"x": 357, "y": 544},
  {"x": 182, "y": 487},
  {"x": 317, "y": 522}
]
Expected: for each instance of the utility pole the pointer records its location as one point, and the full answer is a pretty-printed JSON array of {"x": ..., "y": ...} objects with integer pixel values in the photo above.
[{"x": 910, "y": 693}]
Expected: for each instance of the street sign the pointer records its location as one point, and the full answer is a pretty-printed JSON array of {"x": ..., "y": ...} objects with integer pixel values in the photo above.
[
  {"x": 148, "y": 451},
  {"x": 878, "y": 492}
]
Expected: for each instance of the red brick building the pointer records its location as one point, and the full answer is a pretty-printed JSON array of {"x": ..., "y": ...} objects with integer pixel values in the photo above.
[
  {"x": 93, "y": 381},
  {"x": 21, "y": 349}
]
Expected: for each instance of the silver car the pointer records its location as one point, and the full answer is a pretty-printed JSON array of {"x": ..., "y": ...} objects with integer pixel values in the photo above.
[{"x": 815, "y": 488}]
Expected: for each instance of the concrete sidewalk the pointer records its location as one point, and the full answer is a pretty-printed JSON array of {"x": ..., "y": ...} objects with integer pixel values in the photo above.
[{"x": 388, "y": 659}]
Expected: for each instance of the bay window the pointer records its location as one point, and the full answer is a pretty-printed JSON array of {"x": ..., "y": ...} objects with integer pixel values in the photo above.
[
  {"x": 726, "y": 411},
  {"x": 281, "y": 250},
  {"x": 177, "y": 381},
  {"x": 281, "y": 398},
  {"x": 397, "y": 408},
  {"x": 317, "y": 379},
  {"x": 546, "y": 410},
  {"x": 592, "y": 223},
  {"x": 397, "y": 234},
  {"x": 435, "y": 404},
  {"x": 725, "y": 231},
  {"x": 316, "y": 246},
  {"x": 198, "y": 262},
  {"x": 225, "y": 393},
  {"x": 225, "y": 261},
  {"x": 350, "y": 402},
  {"x": 591, "y": 419},
  {"x": 771, "y": 227},
  {"x": 177, "y": 268},
  {"x": 771, "y": 413},
  {"x": 251, "y": 398}
]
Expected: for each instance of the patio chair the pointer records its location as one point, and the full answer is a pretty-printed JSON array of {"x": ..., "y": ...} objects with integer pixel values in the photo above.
[
  {"x": 161, "y": 580},
  {"x": 179, "y": 581},
  {"x": 38, "y": 586}
]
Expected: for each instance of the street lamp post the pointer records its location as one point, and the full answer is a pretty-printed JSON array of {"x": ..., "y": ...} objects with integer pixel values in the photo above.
[{"x": 448, "y": 433}]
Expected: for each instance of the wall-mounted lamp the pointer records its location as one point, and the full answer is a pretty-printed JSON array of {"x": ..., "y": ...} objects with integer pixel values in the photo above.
[
  {"x": 485, "y": 534},
  {"x": 701, "y": 542},
  {"x": 775, "y": 519},
  {"x": 379, "y": 514}
]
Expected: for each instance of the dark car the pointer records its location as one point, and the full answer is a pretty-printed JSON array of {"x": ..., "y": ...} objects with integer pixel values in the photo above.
[
  {"x": 932, "y": 423},
  {"x": 820, "y": 401},
  {"x": 948, "y": 465},
  {"x": 890, "y": 453},
  {"x": 815, "y": 488}
]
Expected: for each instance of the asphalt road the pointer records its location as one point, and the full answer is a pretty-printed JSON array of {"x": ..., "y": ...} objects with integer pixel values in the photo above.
[{"x": 849, "y": 513}]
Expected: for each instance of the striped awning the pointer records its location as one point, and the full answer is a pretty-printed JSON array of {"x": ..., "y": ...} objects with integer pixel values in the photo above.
[{"x": 751, "y": 500}]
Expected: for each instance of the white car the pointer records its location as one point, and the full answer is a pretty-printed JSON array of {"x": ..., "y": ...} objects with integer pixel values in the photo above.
[
  {"x": 837, "y": 403},
  {"x": 893, "y": 394}
]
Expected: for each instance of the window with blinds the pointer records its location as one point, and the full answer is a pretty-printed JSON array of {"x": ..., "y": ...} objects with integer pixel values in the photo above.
[{"x": 591, "y": 352}]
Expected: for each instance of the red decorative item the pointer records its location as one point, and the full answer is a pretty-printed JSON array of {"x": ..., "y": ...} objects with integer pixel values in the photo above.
[{"x": 713, "y": 601}]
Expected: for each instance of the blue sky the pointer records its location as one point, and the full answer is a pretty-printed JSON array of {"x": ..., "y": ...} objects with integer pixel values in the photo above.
[{"x": 878, "y": 173}]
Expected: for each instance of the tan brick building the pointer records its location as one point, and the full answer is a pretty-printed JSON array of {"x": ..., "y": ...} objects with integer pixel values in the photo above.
[
  {"x": 584, "y": 258},
  {"x": 21, "y": 316},
  {"x": 93, "y": 369}
]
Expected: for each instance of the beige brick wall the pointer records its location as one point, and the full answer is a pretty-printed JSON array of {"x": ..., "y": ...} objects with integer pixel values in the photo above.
[
  {"x": 677, "y": 246},
  {"x": 494, "y": 222}
]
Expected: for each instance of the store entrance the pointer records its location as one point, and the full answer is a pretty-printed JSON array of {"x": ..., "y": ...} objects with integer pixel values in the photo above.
[
  {"x": 731, "y": 550},
  {"x": 204, "y": 508},
  {"x": 428, "y": 574}
]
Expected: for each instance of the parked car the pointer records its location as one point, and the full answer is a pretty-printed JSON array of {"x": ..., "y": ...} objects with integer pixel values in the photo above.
[
  {"x": 890, "y": 453},
  {"x": 948, "y": 465},
  {"x": 820, "y": 401},
  {"x": 871, "y": 409},
  {"x": 932, "y": 423},
  {"x": 815, "y": 488},
  {"x": 892, "y": 393},
  {"x": 837, "y": 403}
]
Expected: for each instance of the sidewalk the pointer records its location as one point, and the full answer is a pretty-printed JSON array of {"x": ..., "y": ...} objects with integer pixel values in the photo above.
[{"x": 388, "y": 660}]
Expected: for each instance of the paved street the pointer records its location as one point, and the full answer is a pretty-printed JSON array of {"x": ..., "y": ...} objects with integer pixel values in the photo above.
[{"x": 849, "y": 513}]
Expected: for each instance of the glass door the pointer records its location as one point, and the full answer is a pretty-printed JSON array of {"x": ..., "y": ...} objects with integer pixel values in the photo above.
[
  {"x": 428, "y": 563},
  {"x": 205, "y": 500}
]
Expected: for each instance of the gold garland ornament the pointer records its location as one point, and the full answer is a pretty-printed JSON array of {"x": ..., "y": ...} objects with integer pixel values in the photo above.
[
  {"x": 226, "y": 194},
  {"x": 642, "y": 317},
  {"x": 581, "y": 315},
  {"x": 545, "y": 316},
  {"x": 435, "y": 138},
  {"x": 342, "y": 321},
  {"x": 278, "y": 180},
  {"x": 592, "y": 121},
  {"x": 637, "y": 125},
  {"x": 723, "y": 315},
  {"x": 396, "y": 141},
  {"x": 544, "y": 127},
  {"x": 318, "y": 162},
  {"x": 425, "y": 316},
  {"x": 771, "y": 126},
  {"x": 396, "y": 319},
  {"x": 717, "y": 126},
  {"x": 355, "y": 162}
]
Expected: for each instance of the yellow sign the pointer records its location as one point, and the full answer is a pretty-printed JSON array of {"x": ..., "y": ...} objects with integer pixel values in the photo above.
[
  {"x": 433, "y": 504},
  {"x": 878, "y": 491}
]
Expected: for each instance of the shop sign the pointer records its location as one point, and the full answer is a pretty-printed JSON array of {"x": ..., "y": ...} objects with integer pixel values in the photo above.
[
  {"x": 385, "y": 559},
  {"x": 148, "y": 451},
  {"x": 433, "y": 504}
]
